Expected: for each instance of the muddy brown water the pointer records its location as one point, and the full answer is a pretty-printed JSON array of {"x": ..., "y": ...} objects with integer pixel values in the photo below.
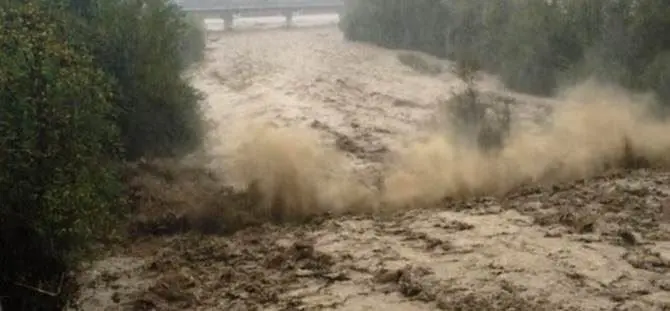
[{"x": 342, "y": 112}]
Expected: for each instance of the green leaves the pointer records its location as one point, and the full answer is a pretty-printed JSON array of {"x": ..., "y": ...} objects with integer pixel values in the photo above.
[
  {"x": 81, "y": 80},
  {"x": 532, "y": 45},
  {"x": 55, "y": 131},
  {"x": 146, "y": 54}
]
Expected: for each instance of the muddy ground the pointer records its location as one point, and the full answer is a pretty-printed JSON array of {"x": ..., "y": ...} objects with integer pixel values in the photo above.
[{"x": 601, "y": 243}]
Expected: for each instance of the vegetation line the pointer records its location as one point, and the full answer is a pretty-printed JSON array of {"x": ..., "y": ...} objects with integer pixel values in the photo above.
[
  {"x": 85, "y": 86},
  {"x": 535, "y": 46}
]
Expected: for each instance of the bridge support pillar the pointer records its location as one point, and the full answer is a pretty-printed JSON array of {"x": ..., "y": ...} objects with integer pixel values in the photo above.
[
  {"x": 228, "y": 21},
  {"x": 289, "y": 18}
]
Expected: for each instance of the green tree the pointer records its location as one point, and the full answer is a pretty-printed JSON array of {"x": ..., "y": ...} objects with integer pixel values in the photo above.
[
  {"x": 140, "y": 44},
  {"x": 533, "y": 45},
  {"x": 58, "y": 147}
]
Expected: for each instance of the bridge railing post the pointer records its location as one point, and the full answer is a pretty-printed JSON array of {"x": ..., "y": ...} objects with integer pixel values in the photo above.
[
  {"x": 228, "y": 21},
  {"x": 289, "y": 18}
]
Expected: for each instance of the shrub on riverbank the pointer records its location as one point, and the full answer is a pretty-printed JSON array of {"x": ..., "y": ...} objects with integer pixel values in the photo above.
[
  {"x": 473, "y": 119},
  {"x": 141, "y": 44},
  {"x": 58, "y": 148},
  {"x": 85, "y": 85},
  {"x": 534, "y": 46}
]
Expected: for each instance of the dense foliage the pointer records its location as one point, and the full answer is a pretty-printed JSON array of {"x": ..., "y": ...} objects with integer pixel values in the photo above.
[
  {"x": 533, "y": 45},
  {"x": 140, "y": 44},
  {"x": 84, "y": 85},
  {"x": 57, "y": 146}
]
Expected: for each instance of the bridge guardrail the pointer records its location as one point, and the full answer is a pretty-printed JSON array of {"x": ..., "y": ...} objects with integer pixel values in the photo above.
[{"x": 201, "y": 5}]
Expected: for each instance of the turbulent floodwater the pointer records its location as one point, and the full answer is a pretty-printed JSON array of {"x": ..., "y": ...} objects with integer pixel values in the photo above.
[
  {"x": 349, "y": 112},
  {"x": 351, "y": 127}
]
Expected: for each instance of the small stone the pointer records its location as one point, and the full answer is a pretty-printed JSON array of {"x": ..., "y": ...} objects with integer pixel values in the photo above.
[
  {"x": 531, "y": 206},
  {"x": 664, "y": 284},
  {"x": 304, "y": 273},
  {"x": 630, "y": 237},
  {"x": 494, "y": 209},
  {"x": 554, "y": 233},
  {"x": 388, "y": 276},
  {"x": 337, "y": 276},
  {"x": 665, "y": 211},
  {"x": 116, "y": 298},
  {"x": 589, "y": 238}
]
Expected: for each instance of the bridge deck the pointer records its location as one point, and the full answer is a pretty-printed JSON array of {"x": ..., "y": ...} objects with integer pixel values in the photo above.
[
  {"x": 267, "y": 8},
  {"x": 257, "y": 5}
]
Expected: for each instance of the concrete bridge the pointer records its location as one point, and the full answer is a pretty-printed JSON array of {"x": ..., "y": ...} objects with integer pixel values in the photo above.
[{"x": 229, "y": 9}]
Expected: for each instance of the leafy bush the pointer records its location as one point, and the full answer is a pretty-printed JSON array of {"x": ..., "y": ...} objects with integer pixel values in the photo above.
[
  {"x": 58, "y": 148},
  {"x": 474, "y": 119},
  {"x": 533, "y": 45},
  {"x": 194, "y": 40},
  {"x": 85, "y": 84},
  {"x": 417, "y": 24},
  {"x": 143, "y": 45}
]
